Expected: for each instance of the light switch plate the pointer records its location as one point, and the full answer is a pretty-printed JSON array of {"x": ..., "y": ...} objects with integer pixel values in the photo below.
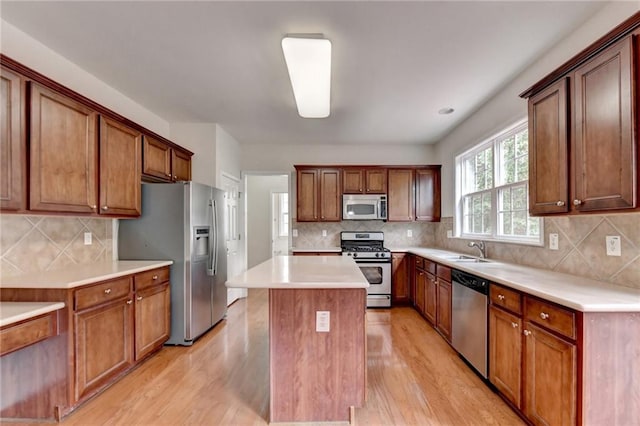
[
  {"x": 449, "y": 233},
  {"x": 323, "y": 319},
  {"x": 88, "y": 239},
  {"x": 324, "y": 232},
  {"x": 613, "y": 245},
  {"x": 294, "y": 233},
  {"x": 409, "y": 233},
  {"x": 553, "y": 241}
]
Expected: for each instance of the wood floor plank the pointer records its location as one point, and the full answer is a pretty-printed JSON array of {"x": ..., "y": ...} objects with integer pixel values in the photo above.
[{"x": 414, "y": 378}]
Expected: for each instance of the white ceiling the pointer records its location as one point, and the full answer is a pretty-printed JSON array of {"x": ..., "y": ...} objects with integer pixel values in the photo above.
[{"x": 395, "y": 64}]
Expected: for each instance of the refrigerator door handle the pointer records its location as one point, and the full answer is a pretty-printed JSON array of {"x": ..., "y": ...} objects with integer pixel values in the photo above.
[
  {"x": 213, "y": 251},
  {"x": 210, "y": 259}
]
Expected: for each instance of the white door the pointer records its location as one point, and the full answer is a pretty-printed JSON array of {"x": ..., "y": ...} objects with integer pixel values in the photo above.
[
  {"x": 279, "y": 223},
  {"x": 233, "y": 234}
]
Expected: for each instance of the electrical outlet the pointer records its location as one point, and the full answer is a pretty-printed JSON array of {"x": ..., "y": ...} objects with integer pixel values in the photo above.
[
  {"x": 294, "y": 233},
  {"x": 553, "y": 241},
  {"x": 613, "y": 245},
  {"x": 324, "y": 232},
  {"x": 449, "y": 233},
  {"x": 323, "y": 321},
  {"x": 409, "y": 233},
  {"x": 87, "y": 239}
]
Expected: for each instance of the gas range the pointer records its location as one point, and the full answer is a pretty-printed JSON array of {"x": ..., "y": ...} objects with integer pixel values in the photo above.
[{"x": 364, "y": 245}]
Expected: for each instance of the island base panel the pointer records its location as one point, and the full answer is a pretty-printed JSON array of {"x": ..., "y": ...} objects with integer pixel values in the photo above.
[{"x": 316, "y": 376}]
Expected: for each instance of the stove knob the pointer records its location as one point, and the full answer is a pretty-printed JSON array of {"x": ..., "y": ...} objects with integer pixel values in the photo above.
[
  {"x": 377, "y": 254},
  {"x": 355, "y": 254}
]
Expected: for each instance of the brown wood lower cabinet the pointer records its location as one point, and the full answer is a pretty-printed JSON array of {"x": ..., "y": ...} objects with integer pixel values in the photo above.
[
  {"x": 431, "y": 298},
  {"x": 421, "y": 284},
  {"x": 505, "y": 349},
  {"x": 443, "y": 313},
  {"x": 400, "y": 276},
  {"x": 112, "y": 325}
]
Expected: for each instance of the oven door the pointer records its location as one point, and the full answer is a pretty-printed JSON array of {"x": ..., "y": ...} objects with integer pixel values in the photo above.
[{"x": 378, "y": 274}]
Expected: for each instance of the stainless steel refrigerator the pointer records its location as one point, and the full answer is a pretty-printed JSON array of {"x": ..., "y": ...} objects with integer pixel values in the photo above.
[{"x": 183, "y": 222}]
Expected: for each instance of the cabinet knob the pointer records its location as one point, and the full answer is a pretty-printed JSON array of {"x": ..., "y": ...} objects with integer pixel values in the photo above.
[
  {"x": 139, "y": 298},
  {"x": 544, "y": 315},
  {"x": 129, "y": 302},
  {"x": 527, "y": 333},
  {"x": 175, "y": 176},
  {"x": 501, "y": 297},
  {"x": 168, "y": 174},
  {"x": 105, "y": 208},
  {"x": 577, "y": 202},
  {"x": 514, "y": 324},
  {"x": 560, "y": 203},
  {"x": 107, "y": 291},
  {"x": 155, "y": 277},
  {"x": 94, "y": 206}
]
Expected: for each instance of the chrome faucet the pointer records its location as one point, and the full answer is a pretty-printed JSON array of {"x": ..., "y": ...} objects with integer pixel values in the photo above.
[{"x": 480, "y": 246}]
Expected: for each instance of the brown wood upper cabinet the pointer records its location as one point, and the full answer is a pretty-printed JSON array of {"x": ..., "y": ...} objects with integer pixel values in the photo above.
[
  {"x": 414, "y": 194},
  {"x": 164, "y": 163},
  {"x": 590, "y": 111},
  {"x": 319, "y": 195},
  {"x": 13, "y": 144},
  {"x": 357, "y": 180}
]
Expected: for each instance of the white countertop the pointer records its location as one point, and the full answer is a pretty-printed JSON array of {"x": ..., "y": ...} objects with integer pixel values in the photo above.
[
  {"x": 300, "y": 272},
  {"x": 582, "y": 294},
  {"x": 77, "y": 275},
  {"x": 314, "y": 250},
  {"x": 12, "y": 312}
]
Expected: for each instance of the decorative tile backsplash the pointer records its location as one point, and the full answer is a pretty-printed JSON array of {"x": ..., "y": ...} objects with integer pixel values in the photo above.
[
  {"x": 582, "y": 250},
  {"x": 41, "y": 243}
]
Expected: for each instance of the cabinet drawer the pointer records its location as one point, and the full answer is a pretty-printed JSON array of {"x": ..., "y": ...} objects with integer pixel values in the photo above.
[
  {"x": 443, "y": 272},
  {"x": 551, "y": 316},
  {"x": 506, "y": 298},
  {"x": 430, "y": 266},
  {"x": 27, "y": 333},
  {"x": 101, "y": 293},
  {"x": 150, "y": 278},
  {"x": 419, "y": 262}
]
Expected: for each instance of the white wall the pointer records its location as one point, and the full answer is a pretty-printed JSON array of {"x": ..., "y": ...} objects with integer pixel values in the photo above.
[
  {"x": 259, "y": 189},
  {"x": 507, "y": 107},
  {"x": 283, "y": 157},
  {"x": 227, "y": 155},
  {"x": 28, "y": 51}
]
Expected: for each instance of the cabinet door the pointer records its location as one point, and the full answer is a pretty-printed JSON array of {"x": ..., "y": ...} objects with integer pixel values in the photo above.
[
  {"x": 180, "y": 165},
  {"x": 156, "y": 159},
  {"x": 353, "y": 181},
  {"x": 103, "y": 345},
  {"x": 400, "y": 278},
  {"x": 13, "y": 178},
  {"x": 421, "y": 284},
  {"x": 400, "y": 197},
  {"x": 550, "y": 378},
  {"x": 431, "y": 298},
  {"x": 152, "y": 319},
  {"x": 330, "y": 195},
  {"x": 307, "y": 195},
  {"x": 505, "y": 354},
  {"x": 428, "y": 195},
  {"x": 120, "y": 165},
  {"x": 443, "y": 315},
  {"x": 548, "y": 145},
  {"x": 63, "y": 166},
  {"x": 604, "y": 147},
  {"x": 376, "y": 181}
]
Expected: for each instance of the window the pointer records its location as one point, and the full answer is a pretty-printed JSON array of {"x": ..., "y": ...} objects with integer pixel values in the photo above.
[{"x": 492, "y": 190}]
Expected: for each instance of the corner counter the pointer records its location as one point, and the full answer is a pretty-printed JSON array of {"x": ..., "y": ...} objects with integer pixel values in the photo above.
[{"x": 317, "y": 335}]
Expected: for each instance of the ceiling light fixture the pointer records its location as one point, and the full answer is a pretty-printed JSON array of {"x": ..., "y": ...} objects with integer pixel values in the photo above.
[
  {"x": 308, "y": 59},
  {"x": 445, "y": 111}
]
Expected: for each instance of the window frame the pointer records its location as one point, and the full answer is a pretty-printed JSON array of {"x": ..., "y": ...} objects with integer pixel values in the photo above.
[{"x": 495, "y": 191}]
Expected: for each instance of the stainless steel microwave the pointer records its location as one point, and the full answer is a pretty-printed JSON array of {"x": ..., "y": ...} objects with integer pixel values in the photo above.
[{"x": 364, "y": 207}]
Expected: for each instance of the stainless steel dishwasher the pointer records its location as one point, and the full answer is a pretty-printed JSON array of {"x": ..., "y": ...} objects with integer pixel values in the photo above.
[{"x": 469, "y": 318}]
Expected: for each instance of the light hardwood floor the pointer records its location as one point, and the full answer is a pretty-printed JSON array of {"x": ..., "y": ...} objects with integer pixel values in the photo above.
[{"x": 414, "y": 378}]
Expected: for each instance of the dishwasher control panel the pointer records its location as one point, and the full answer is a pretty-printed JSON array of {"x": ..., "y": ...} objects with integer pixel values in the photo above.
[{"x": 478, "y": 284}]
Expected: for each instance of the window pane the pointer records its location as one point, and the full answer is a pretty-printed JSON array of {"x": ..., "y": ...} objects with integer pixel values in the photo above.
[
  {"x": 505, "y": 198},
  {"x": 520, "y": 223},
  {"x": 519, "y": 197},
  {"x": 534, "y": 226},
  {"x": 489, "y": 153},
  {"x": 522, "y": 143},
  {"x": 522, "y": 165}
]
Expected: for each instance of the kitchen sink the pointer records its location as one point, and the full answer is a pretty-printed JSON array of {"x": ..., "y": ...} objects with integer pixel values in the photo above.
[{"x": 467, "y": 259}]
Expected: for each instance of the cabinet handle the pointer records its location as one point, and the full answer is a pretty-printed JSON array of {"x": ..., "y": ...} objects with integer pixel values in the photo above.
[
  {"x": 129, "y": 302},
  {"x": 527, "y": 333},
  {"x": 514, "y": 324},
  {"x": 155, "y": 277},
  {"x": 560, "y": 203},
  {"x": 501, "y": 297},
  {"x": 175, "y": 176},
  {"x": 577, "y": 202},
  {"x": 105, "y": 208},
  {"x": 139, "y": 298},
  {"x": 107, "y": 291},
  {"x": 544, "y": 315},
  {"x": 93, "y": 206},
  {"x": 168, "y": 174}
]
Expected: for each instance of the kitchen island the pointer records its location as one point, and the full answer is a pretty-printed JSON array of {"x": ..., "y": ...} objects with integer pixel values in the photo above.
[{"x": 317, "y": 335}]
